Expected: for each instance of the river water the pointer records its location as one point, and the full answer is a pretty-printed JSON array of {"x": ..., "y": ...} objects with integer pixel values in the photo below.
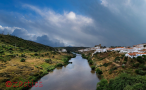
[{"x": 75, "y": 76}]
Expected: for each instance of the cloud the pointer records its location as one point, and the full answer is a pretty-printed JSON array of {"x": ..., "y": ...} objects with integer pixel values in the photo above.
[
  {"x": 118, "y": 22},
  {"x": 46, "y": 41},
  {"x": 7, "y": 30},
  {"x": 60, "y": 29},
  {"x": 106, "y": 22}
]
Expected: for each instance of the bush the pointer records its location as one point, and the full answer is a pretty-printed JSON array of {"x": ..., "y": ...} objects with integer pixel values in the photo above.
[
  {"x": 22, "y": 55},
  {"x": 48, "y": 60},
  {"x": 2, "y": 59},
  {"x": 59, "y": 65},
  {"x": 136, "y": 65},
  {"x": 90, "y": 62},
  {"x": 140, "y": 72},
  {"x": 1, "y": 52},
  {"x": 50, "y": 68},
  {"x": 114, "y": 68},
  {"x": 105, "y": 64},
  {"x": 36, "y": 54},
  {"x": 102, "y": 85},
  {"x": 22, "y": 60},
  {"x": 126, "y": 58},
  {"x": 125, "y": 62},
  {"x": 140, "y": 59},
  {"x": 123, "y": 66},
  {"x": 123, "y": 82},
  {"x": 93, "y": 67},
  {"x": 144, "y": 68},
  {"x": 98, "y": 71}
]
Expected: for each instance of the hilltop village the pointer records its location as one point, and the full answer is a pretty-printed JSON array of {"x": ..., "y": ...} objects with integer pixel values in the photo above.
[
  {"x": 119, "y": 68},
  {"x": 136, "y": 50}
]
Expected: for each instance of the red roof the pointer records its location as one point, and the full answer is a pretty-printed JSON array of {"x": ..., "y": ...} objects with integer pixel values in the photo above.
[
  {"x": 110, "y": 48},
  {"x": 120, "y": 47}
]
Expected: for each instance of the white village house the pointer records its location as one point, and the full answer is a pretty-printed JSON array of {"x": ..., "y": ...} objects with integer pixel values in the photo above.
[{"x": 135, "y": 51}]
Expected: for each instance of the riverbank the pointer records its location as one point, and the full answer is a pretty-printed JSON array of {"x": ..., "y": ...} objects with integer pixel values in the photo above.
[
  {"x": 74, "y": 76},
  {"x": 117, "y": 70},
  {"x": 32, "y": 69}
]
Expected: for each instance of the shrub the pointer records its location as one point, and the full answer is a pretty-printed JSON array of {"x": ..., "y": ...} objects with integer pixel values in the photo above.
[
  {"x": 36, "y": 54},
  {"x": 136, "y": 65},
  {"x": 140, "y": 59},
  {"x": 105, "y": 64},
  {"x": 47, "y": 54},
  {"x": 141, "y": 72},
  {"x": 90, "y": 62},
  {"x": 35, "y": 50},
  {"x": 141, "y": 66},
  {"x": 114, "y": 68},
  {"x": 65, "y": 60},
  {"x": 22, "y": 60},
  {"x": 22, "y": 55},
  {"x": 98, "y": 71},
  {"x": 2, "y": 59},
  {"x": 50, "y": 68},
  {"x": 103, "y": 85},
  {"x": 126, "y": 58},
  {"x": 125, "y": 62},
  {"x": 48, "y": 60},
  {"x": 59, "y": 65},
  {"x": 93, "y": 67},
  {"x": 144, "y": 68},
  {"x": 123, "y": 66},
  {"x": 1, "y": 52}
]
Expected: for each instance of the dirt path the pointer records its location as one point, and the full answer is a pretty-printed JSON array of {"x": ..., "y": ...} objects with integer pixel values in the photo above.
[{"x": 113, "y": 62}]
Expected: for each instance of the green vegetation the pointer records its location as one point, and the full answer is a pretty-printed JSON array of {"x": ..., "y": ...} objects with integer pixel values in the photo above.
[
  {"x": 90, "y": 62},
  {"x": 93, "y": 67},
  {"x": 106, "y": 64},
  {"x": 59, "y": 65},
  {"x": 140, "y": 59},
  {"x": 22, "y": 60},
  {"x": 48, "y": 60},
  {"x": 98, "y": 71},
  {"x": 123, "y": 82}
]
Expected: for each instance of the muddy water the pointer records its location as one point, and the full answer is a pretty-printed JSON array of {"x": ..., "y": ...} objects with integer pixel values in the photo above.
[{"x": 75, "y": 76}]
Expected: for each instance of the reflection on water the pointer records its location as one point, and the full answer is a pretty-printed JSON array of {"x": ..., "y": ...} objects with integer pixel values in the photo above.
[{"x": 75, "y": 76}]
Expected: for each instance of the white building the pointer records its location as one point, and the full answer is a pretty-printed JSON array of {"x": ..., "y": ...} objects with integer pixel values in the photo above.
[{"x": 64, "y": 50}]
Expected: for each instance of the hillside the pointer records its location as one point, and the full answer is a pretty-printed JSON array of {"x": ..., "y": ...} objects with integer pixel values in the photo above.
[
  {"x": 26, "y": 61},
  {"x": 23, "y": 44},
  {"x": 118, "y": 72}
]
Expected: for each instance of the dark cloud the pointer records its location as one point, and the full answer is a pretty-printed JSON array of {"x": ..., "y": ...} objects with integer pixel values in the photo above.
[
  {"x": 117, "y": 23},
  {"x": 46, "y": 41},
  {"x": 106, "y": 22},
  {"x": 21, "y": 33}
]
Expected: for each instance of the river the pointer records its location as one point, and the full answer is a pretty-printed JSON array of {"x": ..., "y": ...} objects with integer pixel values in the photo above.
[{"x": 75, "y": 76}]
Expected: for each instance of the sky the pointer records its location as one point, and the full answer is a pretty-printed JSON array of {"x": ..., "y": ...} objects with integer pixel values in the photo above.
[{"x": 60, "y": 23}]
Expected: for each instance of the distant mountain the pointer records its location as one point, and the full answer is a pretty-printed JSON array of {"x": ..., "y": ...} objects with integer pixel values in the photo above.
[{"x": 72, "y": 49}]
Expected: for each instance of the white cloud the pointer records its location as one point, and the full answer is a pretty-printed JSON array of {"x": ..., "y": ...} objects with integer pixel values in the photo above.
[
  {"x": 67, "y": 27},
  {"x": 71, "y": 15},
  {"x": 7, "y": 29}
]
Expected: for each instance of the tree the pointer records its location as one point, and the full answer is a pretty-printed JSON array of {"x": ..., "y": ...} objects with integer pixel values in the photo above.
[{"x": 140, "y": 59}]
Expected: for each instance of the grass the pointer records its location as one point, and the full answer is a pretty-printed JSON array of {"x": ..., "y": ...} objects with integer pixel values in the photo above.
[{"x": 26, "y": 61}]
